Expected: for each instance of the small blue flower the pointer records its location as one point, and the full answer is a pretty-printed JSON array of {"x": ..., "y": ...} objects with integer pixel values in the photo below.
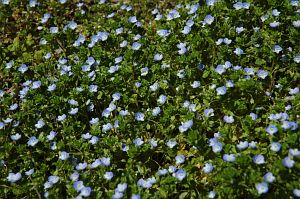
[
  {"x": 139, "y": 116},
  {"x": 180, "y": 159},
  {"x": 162, "y": 99},
  {"x": 163, "y": 32},
  {"x": 64, "y": 155},
  {"x": 132, "y": 19},
  {"x": 78, "y": 185},
  {"x": 186, "y": 30},
  {"x": 171, "y": 143},
  {"x": 221, "y": 90},
  {"x": 15, "y": 137},
  {"x": 156, "y": 111},
  {"x": 93, "y": 88},
  {"x": 243, "y": 145},
  {"x": 217, "y": 147},
  {"x": 23, "y": 68},
  {"x": 14, "y": 177},
  {"x": 185, "y": 126},
  {"x": 180, "y": 174},
  {"x": 229, "y": 157},
  {"x": 138, "y": 142},
  {"x": 269, "y": 177},
  {"x": 209, "y": 19},
  {"x": 262, "y": 187},
  {"x": 74, "y": 176},
  {"x": 277, "y": 49},
  {"x": 158, "y": 57},
  {"x": 275, "y": 146},
  {"x": 121, "y": 187},
  {"x": 208, "y": 168},
  {"x": 108, "y": 175},
  {"x": 296, "y": 192},
  {"x": 288, "y": 162},
  {"x": 259, "y": 159},
  {"x": 209, "y": 112},
  {"x": 238, "y": 51},
  {"x": 81, "y": 166},
  {"x": 136, "y": 46},
  {"x": 54, "y": 30},
  {"x": 272, "y": 129},
  {"x": 51, "y": 135},
  {"x": 51, "y": 88},
  {"x": 228, "y": 119},
  {"x": 29, "y": 172},
  {"x": 274, "y": 24},
  {"x": 32, "y": 141}
]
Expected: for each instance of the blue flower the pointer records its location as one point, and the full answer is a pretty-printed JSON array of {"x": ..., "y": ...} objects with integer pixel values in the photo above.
[
  {"x": 139, "y": 116},
  {"x": 180, "y": 159},
  {"x": 196, "y": 84},
  {"x": 74, "y": 176},
  {"x": 162, "y": 99},
  {"x": 64, "y": 155},
  {"x": 94, "y": 140},
  {"x": 220, "y": 69},
  {"x": 185, "y": 126},
  {"x": 294, "y": 91},
  {"x": 51, "y": 88},
  {"x": 32, "y": 141},
  {"x": 53, "y": 30},
  {"x": 171, "y": 143},
  {"x": 238, "y": 51},
  {"x": 132, "y": 19},
  {"x": 29, "y": 172},
  {"x": 163, "y": 32},
  {"x": 288, "y": 162},
  {"x": 272, "y": 129},
  {"x": 135, "y": 196},
  {"x": 136, "y": 46},
  {"x": 274, "y": 24},
  {"x": 180, "y": 174},
  {"x": 93, "y": 88},
  {"x": 243, "y": 145},
  {"x": 277, "y": 49},
  {"x": 121, "y": 187},
  {"x": 221, "y": 90},
  {"x": 53, "y": 179},
  {"x": 51, "y": 135},
  {"x": 105, "y": 161},
  {"x": 217, "y": 147},
  {"x": 14, "y": 177},
  {"x": 81, "y": 166},
  {"x": 186, "y": 30},
  {"x": 85, "y": 191},
  {"x": 209, "y": 112},
  {"x": 15, "y": 137},
  {"x": 259, "y": 159},
  {"x": 209, "y": 19},
  {"x": 296, "y": 192},
  {"x": 229, "y": 157},
  {"x": 138, "y": 142},
  {"x": 162, "y": 172},
  {"x": 269, "y": 177},
  {"x": 208, "y": 168},
  {"x": 23, "y": 68},
  {"x": 156, "y": 111},
  {"x": 108, "y": 175},
  {"x": 158, "y": 57},
  {"x": 78, "y": 185},
  {"x": 228, "y": 119},
  {"x": 262, "y": 187}
]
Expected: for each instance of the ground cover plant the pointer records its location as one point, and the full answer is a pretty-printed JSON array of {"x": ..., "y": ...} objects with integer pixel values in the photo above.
[{"x": 149, "y": 99}]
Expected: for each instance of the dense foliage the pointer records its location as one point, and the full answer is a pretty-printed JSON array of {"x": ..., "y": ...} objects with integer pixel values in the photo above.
[{"x": 149, "y": 99}]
